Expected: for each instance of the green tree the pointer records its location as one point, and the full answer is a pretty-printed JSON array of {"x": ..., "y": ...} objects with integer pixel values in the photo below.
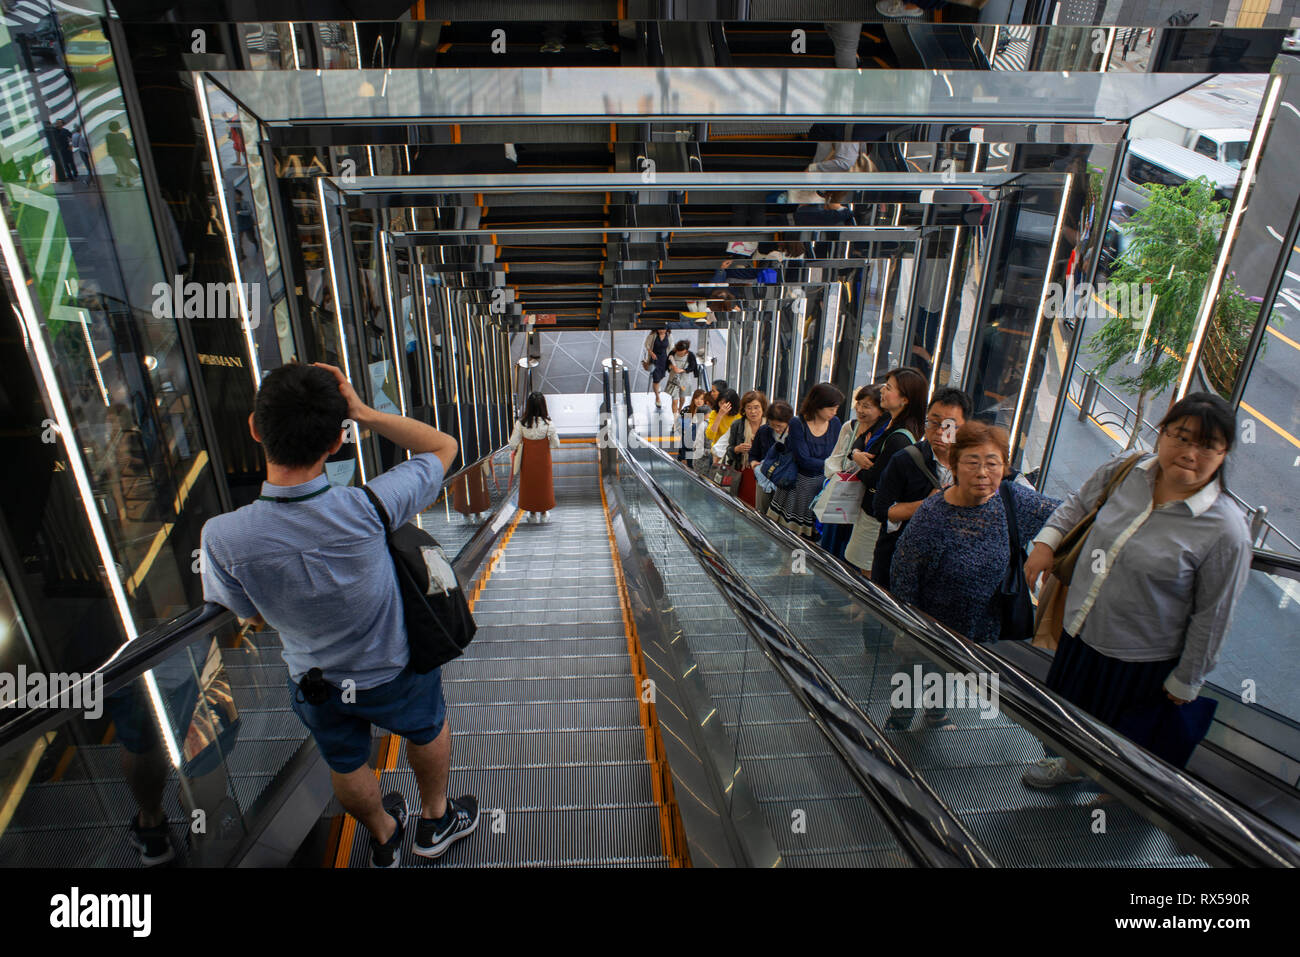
[{"x": 1172, "y": 245}]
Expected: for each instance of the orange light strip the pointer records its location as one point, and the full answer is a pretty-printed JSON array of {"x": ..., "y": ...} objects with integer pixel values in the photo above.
[{"x": 671, "y": 832}]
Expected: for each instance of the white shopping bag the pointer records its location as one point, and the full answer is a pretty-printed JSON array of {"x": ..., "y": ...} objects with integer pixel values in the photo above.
[{"x": 840, "y": 500}]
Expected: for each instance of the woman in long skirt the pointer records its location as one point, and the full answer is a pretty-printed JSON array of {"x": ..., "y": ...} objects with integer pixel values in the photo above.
[
  {"x": 812, "y": 438},
  {"x": 533, "y": 438}
]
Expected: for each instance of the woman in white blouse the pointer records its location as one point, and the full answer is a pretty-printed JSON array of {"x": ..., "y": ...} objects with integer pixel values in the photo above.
[{"x": 533, "y": 438}]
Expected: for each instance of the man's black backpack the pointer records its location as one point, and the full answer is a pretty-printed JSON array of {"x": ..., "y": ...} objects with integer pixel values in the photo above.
[{"x": 438, "y": 622}]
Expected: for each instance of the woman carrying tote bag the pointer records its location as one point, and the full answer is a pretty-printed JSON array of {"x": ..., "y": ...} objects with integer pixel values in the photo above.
[
  {"x": 870, "y": 420},
  {"x": 902, "y": 396}
]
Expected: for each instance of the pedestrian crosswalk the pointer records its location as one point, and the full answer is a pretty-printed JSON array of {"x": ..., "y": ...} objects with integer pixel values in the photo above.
[
  {"x": 29, "y": 100},
  {"x": 1013, "y": 49}
]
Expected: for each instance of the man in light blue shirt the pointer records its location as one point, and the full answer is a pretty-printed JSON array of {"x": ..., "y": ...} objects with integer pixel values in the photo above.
[{"x": 311, "y": 561}]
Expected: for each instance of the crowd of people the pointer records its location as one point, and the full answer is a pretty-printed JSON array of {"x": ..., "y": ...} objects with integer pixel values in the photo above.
[{"x": 946, "y": 524}]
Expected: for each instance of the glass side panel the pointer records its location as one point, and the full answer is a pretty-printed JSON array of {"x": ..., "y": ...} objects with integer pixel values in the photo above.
[
  {"x": 467, "y": 501},
  {"x": 1259, "y": 661},
  {"x": 195, "y": 746},
  {"x": 816, "y": 812},
  {"x": 970, "y": 751}
]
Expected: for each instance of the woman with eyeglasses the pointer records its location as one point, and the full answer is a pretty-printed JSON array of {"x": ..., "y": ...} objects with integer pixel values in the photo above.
[
  {"x": 1152, "y": 595},
  {"x": 954, "y": 552}
]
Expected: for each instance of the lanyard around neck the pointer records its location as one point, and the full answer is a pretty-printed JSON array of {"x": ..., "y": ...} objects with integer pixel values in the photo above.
[{"x": 295, "y": 498}]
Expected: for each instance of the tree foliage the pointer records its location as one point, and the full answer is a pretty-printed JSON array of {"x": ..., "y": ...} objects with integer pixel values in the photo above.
[{"x": 1172, "y": 243}]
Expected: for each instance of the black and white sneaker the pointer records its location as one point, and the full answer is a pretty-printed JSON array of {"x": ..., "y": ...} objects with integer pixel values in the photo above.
[
  {"x": 432, "y": 838},
  {"x": 390, "y": 854},
  {"x": 153, "y": 843}
]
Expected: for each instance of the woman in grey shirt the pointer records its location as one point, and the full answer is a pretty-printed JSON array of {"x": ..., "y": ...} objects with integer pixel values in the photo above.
[{"x": 1159, "y": 573}]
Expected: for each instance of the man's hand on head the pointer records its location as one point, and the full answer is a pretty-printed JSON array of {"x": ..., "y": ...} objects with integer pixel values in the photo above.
[{"x": 358, "y": 411}]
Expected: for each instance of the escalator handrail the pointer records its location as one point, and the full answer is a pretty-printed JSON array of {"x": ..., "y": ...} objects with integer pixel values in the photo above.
[
  {"x": 135, "y": 657},
  {"x": 923, "y": 824},
  {"x": 1275, "y": 563},
  {"x": 127, "y": 664},
  {"x": 1224, "y": 828},
  {"x": 447, "y": 480}
]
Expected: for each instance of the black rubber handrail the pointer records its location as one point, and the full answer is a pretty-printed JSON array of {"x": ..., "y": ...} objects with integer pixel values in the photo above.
[
  {"x": 927, "y": 829},
  {"x": 1224, "y": 829},
  {"x": 135, "y": 657},
  {"x": 1275, "y": 563}
]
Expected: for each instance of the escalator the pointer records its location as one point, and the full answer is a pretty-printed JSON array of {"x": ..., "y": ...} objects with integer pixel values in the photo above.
[
  {"x": 545, "y": 724},
  {"x": 660, "y": 678},
  {"x": 865, "y": 641}
]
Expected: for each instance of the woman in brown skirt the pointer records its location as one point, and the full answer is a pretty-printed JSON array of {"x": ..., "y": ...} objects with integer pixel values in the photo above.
[{"x": 532, "y": 440}]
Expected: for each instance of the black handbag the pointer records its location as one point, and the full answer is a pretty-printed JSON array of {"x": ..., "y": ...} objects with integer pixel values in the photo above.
[
  {"x": 1014, "y": 606},
  {"x": 439, "y": 625}
]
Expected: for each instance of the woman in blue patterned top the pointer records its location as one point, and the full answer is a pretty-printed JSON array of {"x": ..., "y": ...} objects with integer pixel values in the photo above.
[
  {"x": 812, "y": 437},
  {"x": 954, "y": 553}
]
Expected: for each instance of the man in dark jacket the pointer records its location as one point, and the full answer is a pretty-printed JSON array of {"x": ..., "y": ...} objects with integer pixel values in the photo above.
[{"x": 911, "y": 476}]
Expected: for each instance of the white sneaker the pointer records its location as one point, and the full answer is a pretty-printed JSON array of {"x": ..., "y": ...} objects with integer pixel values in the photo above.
[
  {"x": 546, "y": 518},
  {"x": 897, "y": 8},
  {"x": 1050, "y": 773}
]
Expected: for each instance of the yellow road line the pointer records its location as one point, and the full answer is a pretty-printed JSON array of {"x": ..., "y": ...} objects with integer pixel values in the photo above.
[
  {"x": 1272, "y": 425},
  {"x": 1105, "y": 428},
  {"x": 1289, "y": 341}
]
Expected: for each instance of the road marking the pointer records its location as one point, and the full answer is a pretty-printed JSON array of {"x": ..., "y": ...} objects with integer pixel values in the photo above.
[
  {"x": 1287, "y": 339},
  {"x": 1105, "y": 428},
  {"x": 1272, "y": 425},
  {"x": 1273, "y": 232}
]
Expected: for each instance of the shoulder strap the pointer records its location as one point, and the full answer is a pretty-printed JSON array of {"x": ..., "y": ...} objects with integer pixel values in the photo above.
[
  {"x": 910, "y": 437},
  {"x": 1121, "y": 473},
  {"x": 1013, "y": 529},
  {"x": 915, "y": 455},
  {"x": 379, "y": 507}
]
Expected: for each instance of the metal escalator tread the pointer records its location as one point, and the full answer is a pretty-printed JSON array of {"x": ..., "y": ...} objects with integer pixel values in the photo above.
[
  {"x": 787, "y": 761},
  {"x": 545, "y": 723},
  {"x": 976, "y": 769}
]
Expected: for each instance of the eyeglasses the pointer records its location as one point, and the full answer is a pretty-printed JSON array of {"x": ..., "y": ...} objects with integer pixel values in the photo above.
[
  {"x": 979, "y": 465},
  {"x": 1182, "y": 441}
]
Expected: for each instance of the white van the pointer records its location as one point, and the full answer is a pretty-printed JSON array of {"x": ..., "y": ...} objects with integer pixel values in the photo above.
[{"x": 1162, "y": 163}]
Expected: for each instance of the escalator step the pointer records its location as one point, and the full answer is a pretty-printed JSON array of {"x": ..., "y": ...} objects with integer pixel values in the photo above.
[
  {"x": 551, "y": 666},
  {"x": 552, "y": 748},
  {"x": 573, "y": 716},
  {"x": 544, "y": 838},
  {"x": 534, "y": 691}
]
